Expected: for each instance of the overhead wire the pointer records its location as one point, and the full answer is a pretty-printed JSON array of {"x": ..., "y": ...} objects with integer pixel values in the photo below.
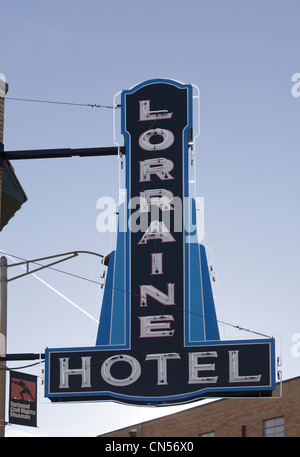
[
  {"x": 20, "y": 368},
  {"x": 90, "y": 105},
  {"x": 238, "y": 327},
  {"x": 53, "y": 289}
]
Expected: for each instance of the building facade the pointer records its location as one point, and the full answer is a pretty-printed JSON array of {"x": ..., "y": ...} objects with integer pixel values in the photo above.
[
  {"x": 278, "y": 415},
  {"x": 12, "y": 196}
]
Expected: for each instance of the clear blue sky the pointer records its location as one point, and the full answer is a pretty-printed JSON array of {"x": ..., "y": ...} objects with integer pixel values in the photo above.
[{"x": 242, "y": 56}]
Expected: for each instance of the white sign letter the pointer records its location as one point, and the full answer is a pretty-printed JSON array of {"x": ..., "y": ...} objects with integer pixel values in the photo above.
[
  {"x": 157, "y": 294},
  {"x": 160, "y": 197},
  {"x": 154, "y": 326},
  {"x": 234, "y": 370},
  {"x": 135, "y": 370},
  {"x": 146, "y": 137},
  {"x": 157, "y": 231},
  {"x": 162, "y": 365},
  {"x": 84, "y": 372},
  {"x": 147, "y": 115},
  {"x": 160, "y": 167},
  {"x": 195, "y": 367}
]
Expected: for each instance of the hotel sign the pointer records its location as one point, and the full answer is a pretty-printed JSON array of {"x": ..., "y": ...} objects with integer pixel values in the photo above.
[{"x": 158, "y": 340}]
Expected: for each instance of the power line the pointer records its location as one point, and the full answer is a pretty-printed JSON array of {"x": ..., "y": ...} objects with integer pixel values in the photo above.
[
  {"x": 20, "y": 368},
  {"x": 238, "y": 327},
  {"x": 55, "y": 269},
  {"x": 90, "y": 105}
]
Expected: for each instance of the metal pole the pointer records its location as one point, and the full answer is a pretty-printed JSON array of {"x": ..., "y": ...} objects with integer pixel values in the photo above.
[
  {"x": 3, "y": 323},
  {"x": 59, "y": 153},
  {"x": 3, "y": 332}
]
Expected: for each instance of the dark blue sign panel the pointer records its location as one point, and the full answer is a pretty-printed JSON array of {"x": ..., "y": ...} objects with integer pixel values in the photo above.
[
  {"x": 141, "y": 377},
  {"x": 158, "y": 339}
]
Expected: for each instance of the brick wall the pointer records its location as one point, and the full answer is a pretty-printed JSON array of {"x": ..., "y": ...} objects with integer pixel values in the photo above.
[{"x": 226, "y": 418}]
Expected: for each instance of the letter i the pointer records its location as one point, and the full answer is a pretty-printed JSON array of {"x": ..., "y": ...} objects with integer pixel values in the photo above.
[{"x": 156, "y": 263}]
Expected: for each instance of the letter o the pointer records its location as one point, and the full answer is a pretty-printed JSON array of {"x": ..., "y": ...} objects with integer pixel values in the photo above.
[
  {"x": 167, "y": 135},
  {"x": 135, "y": 370}
]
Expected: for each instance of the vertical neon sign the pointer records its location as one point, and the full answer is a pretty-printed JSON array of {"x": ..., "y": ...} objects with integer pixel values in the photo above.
[{"x": 158, "y": 338}]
